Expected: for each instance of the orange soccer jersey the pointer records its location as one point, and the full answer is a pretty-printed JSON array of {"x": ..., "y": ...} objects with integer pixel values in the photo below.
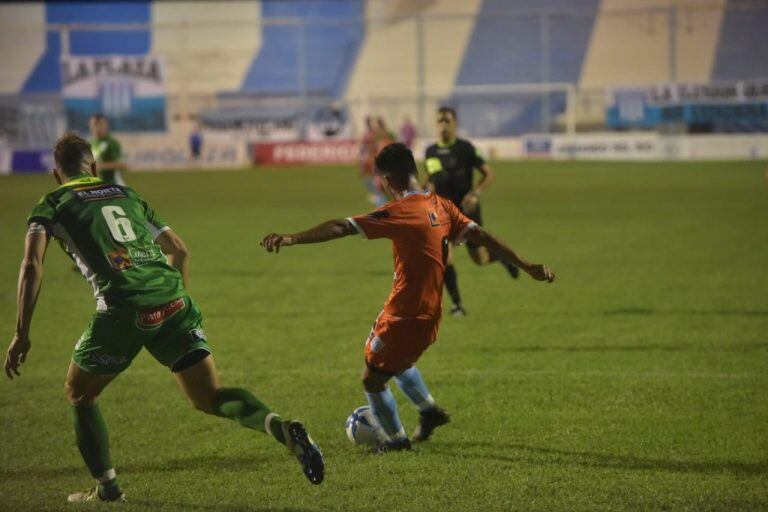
[{"x": 420, "y": 225}]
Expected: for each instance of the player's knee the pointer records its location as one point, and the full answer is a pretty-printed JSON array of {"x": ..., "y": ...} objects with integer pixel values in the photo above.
[
  {"x": 76, "y": 396},
  {"x": 372, "y": 383}
]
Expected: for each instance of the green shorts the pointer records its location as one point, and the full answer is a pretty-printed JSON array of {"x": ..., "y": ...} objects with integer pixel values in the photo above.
[{"x": 114, "y": 337}]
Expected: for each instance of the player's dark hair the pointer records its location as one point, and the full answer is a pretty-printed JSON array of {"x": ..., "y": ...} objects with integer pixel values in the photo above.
[
  {"x": 69, "y": 153},
  {"x": 447, "y": 110},
  {"x": 396, "y": 161},
  {"x": 98, "y": 116}
]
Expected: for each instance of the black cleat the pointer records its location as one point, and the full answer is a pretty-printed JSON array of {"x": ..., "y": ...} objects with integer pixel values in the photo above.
[
  {"x": 513, "y": 270},
  {"x": 305, "y": 450},
  {"x": 401, "y": 445},
  {"x": 429, "y": 420},
  {"x": 458, "y": 310}
]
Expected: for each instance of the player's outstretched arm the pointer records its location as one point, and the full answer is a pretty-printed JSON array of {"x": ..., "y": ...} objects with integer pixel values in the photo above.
[
  {"x": 30, "y": 281},
  {"x": 496, "y": 247},
  {"x": 178, "y": 256},
  {"x": 330, "y": 230}
]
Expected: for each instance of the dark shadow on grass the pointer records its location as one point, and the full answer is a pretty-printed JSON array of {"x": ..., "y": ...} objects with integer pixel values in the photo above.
[
  {"x": 219, "y": 464},
  {"x": 595, "y": 348},
  {"x": 540, "y": 455},
  {"x": 704, "y": 312},
  {"x": 175, "y": 505},
  {"x": 29, "y": 474},
  {"x": 233, "y": 273},
  {"x": 645, "y": 347},
  {"x": 226, "y": 463}
]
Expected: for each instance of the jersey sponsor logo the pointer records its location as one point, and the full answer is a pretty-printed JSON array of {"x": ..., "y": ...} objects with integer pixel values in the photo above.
[
  {"x": 130, "y": 257},
  {"x": 104, "y": 358},
  {"x": 433, "y": 220},
  {"x": 153, "y": 318},
  {"x": 120, "y": 260},
  {"x": 97, "y": 193},
  {"x": 376, "y": 344}
]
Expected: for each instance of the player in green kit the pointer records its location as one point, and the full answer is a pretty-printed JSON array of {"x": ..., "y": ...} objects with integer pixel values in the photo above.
[
  {"x": 120, "y": 245},
  {"x": 106, "y": 151}
]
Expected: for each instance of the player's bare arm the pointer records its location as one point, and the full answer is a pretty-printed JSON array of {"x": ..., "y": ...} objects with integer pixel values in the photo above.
[
  {"x": 30, "y": 281},
  {"x": 329, "y": 230},
  {"x": 479, "y": 236},
  {"x": 469, "y": 203},
  {"x": 176, "y": 250}
]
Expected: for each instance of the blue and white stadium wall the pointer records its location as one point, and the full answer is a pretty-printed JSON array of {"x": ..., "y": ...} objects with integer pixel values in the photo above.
[{"x": 374, "y": 50}]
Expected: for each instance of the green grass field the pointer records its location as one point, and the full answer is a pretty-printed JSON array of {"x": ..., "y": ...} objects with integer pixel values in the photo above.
[{"x": 639, "y": 380}]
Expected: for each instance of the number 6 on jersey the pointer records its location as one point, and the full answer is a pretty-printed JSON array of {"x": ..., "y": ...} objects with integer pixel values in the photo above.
[{"x": 119, "y": 225}]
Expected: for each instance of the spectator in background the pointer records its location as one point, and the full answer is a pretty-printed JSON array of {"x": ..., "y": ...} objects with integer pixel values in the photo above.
[
  {"x": 368, "y": 149},
  {"x": 106, "y": 151},
  {"x": 407, "y": 132},
  {"x": 196, "y": 143}
]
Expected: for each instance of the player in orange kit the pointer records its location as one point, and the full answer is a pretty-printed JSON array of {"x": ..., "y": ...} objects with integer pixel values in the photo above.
[{"x": 421, "y": 225}]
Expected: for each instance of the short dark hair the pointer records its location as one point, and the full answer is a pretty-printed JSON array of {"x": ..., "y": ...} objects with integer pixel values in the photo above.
[
  {"x": 396, "y": 161},
  {"x": 98, "y": 116},
  {"x": 448, "y": 110},
  {"x": 70, "y": 151}
]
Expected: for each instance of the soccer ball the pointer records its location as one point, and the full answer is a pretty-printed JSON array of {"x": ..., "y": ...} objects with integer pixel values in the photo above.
[{"x": 362, "y": 427}]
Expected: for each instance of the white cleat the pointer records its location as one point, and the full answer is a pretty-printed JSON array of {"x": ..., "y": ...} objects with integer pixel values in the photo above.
[{"x": 92, "y": 495}]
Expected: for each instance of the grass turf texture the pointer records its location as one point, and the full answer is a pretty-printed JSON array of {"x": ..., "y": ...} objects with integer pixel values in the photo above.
[{"x": 637, "y": 381}]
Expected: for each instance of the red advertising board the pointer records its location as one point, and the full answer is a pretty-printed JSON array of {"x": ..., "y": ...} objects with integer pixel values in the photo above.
[{"x": 323, "y": 152}]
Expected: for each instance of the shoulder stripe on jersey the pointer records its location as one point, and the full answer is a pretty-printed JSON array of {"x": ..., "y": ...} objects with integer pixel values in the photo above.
[
  {"x": 71, "y": 249},
  {"x": 357, "y": 227},
  {"x": 461, "y": 238}
]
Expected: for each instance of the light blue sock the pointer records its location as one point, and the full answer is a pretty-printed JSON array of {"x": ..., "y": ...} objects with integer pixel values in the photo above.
[
  {"x": 411, "y": 383},
  {"x": 384, "y": 407}
]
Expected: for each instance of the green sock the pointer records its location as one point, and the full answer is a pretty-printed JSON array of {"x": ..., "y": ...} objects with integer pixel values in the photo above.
[
  {"x": 93, "y": 442},
  {"x": 240, "y": 405}
]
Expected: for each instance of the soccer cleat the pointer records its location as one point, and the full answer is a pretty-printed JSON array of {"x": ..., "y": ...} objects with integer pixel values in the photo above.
[
  {"x": 400, "y": 445},
  {"x": 429, "y": 420},
  {"x": 305, "y": 450},
  {"x": 513, "y": 270},
  {"x": 93, "y": 495},
  {"x": 458, "y": 310}
]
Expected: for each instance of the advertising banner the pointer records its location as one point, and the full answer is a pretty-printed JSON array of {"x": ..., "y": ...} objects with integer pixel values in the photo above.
[
  {"x": 599, "y": 146},
  {"x": 128, "y": 89},
  {"x": 329, "y": 123},
  {"x": 728, "y": 104},
  {"x": 252, "y": 125},
  {"x": 32, "y": 161},
  {"x": 325, "y": 152}
]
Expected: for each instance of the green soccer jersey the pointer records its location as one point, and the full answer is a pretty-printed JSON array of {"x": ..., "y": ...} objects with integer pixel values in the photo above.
[
  {"x": 109, "y": 231},
  {"x": 105, "y": 150}
]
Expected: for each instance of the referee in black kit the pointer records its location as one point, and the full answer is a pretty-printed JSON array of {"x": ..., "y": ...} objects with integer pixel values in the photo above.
[{"x": 451, "y": 163}]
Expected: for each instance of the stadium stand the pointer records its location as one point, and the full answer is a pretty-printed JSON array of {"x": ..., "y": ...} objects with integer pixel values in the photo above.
[
  {"x": 331, "y": 47},
  {"x": 208, "y": 53},
  {"x": 387, "y": 65},
  {"x": 623, "y": 33},
  {"x": 743, "y": 39},
  {"x": 46, "y": 76},
  {"x": 509, "y": 50}
]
